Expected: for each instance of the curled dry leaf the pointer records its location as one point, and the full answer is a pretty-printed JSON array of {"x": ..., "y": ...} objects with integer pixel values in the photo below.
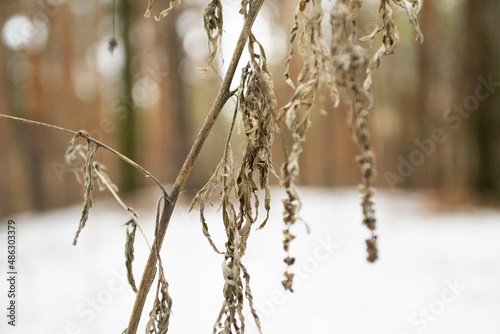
[
  {"x": 256, "y": 104},
  {"x": 159, "y": 316},
  {"x": 206, "y": 194},
  {"x": 213, "y": 23},
  {"x": 72, "y": 156},
  {"x": 372, "y": 250},
  {"x": 346, "y": 70},
  {"x": 172, "y": 4},
  {"x": 88, "y": 187},
  {"x": 353, "y": 73},
  {"x": 316, "y": 74},
  {"x": 103, "y": 181},
  {"x": 129, "y": 253}
]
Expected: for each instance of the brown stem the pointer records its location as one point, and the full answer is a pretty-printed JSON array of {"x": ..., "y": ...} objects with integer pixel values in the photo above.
[{"x": 221, "y": 99}]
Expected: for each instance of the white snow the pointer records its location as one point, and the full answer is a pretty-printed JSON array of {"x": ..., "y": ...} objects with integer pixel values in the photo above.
[{"x": 437, "y": 273}]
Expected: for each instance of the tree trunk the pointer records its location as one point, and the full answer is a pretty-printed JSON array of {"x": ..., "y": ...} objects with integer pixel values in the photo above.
[
  {"x": 176, "y": 112},
  {"x": 128, "y": 126},
  {"x": 481, "y": 60}
]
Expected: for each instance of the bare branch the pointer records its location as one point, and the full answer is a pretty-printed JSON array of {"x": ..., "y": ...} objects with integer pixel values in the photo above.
[{"x": 84, "y": 134}]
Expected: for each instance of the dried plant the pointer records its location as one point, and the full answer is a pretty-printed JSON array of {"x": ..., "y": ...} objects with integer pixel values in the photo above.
[
  {"x": 343, "y": 68},
  {"x": 159, "y": 316},
  {"x": 352, "y": 74},
  {"x": 314, "y": 76},
  {"x": 347, "y": 71},
  {"x": 88, "y": 186},
  {"x": 256, "y": 104},
  {"x": 213, "y": 23},
  {"x": 171, "y": 5},
  {"x": 129, "y": 252},
  {"x": 94, "y": 171}
]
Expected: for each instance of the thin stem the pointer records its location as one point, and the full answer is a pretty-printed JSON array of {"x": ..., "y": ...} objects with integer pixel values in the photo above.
[
  {"x": 114, "y": 19},
  {"x": 54, "y": 127},
  {"x": 221, "y": 99},
  {"x": 85, "y": 135},
  {"x": 132, "y": 214}
]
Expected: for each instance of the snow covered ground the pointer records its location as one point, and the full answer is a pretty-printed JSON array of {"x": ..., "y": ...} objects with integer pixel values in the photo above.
[{"x": 437, "y": 273}]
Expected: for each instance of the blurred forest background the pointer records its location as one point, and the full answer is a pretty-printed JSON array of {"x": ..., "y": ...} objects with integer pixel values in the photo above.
[{"x": 436, "y": 122}]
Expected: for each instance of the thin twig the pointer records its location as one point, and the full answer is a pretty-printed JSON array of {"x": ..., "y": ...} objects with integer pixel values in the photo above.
[
  {"x": 221, "y": 99},
  {"x": 132, "y": 214},
  {"x": 85, "y": 135},
  {"x": 23, "y": 120}
]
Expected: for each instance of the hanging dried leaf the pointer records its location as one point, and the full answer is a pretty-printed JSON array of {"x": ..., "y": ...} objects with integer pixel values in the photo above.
[
  {"x": 371, "y": 248},
  {"x": 353, "y": 73},
  {"x": 88, "y": 187},
  {"x": 412, "y": 14},
  {"x": 103, "y": 181},
  {"x": 159, "y": 316},
  {"x": 249, "y": 296},
  {"x": 288, "y": 281},
  {"x": 315, "y": 75},
  {"x": 256, "y": 104},
  {"x": 72, "y": 155},
  {"x": 206, "y": 194},
  {"x": 129, "y": 253},
  {"x": 213, "y": 23},
  {"x": 172, "y": 4}
]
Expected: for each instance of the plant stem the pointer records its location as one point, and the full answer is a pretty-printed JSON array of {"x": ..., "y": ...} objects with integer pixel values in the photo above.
[
  {"x": 221, "y": 99},
  {"x": 85, "y": 135}
]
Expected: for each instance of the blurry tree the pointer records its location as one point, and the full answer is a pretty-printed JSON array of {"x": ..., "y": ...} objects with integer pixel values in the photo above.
[
  {"x": 128, "y": 110},
  {"x": 176, "y": 109},
  {"x": 481, "y": 59},
  {"x": 46, "y": 84},
  {"x": 23, "y": 98}
]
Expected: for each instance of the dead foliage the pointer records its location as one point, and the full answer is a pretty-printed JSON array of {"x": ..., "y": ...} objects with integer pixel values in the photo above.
[
  {"x": 213, "y": 23},
  {"x": 343, "y": 68}
]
